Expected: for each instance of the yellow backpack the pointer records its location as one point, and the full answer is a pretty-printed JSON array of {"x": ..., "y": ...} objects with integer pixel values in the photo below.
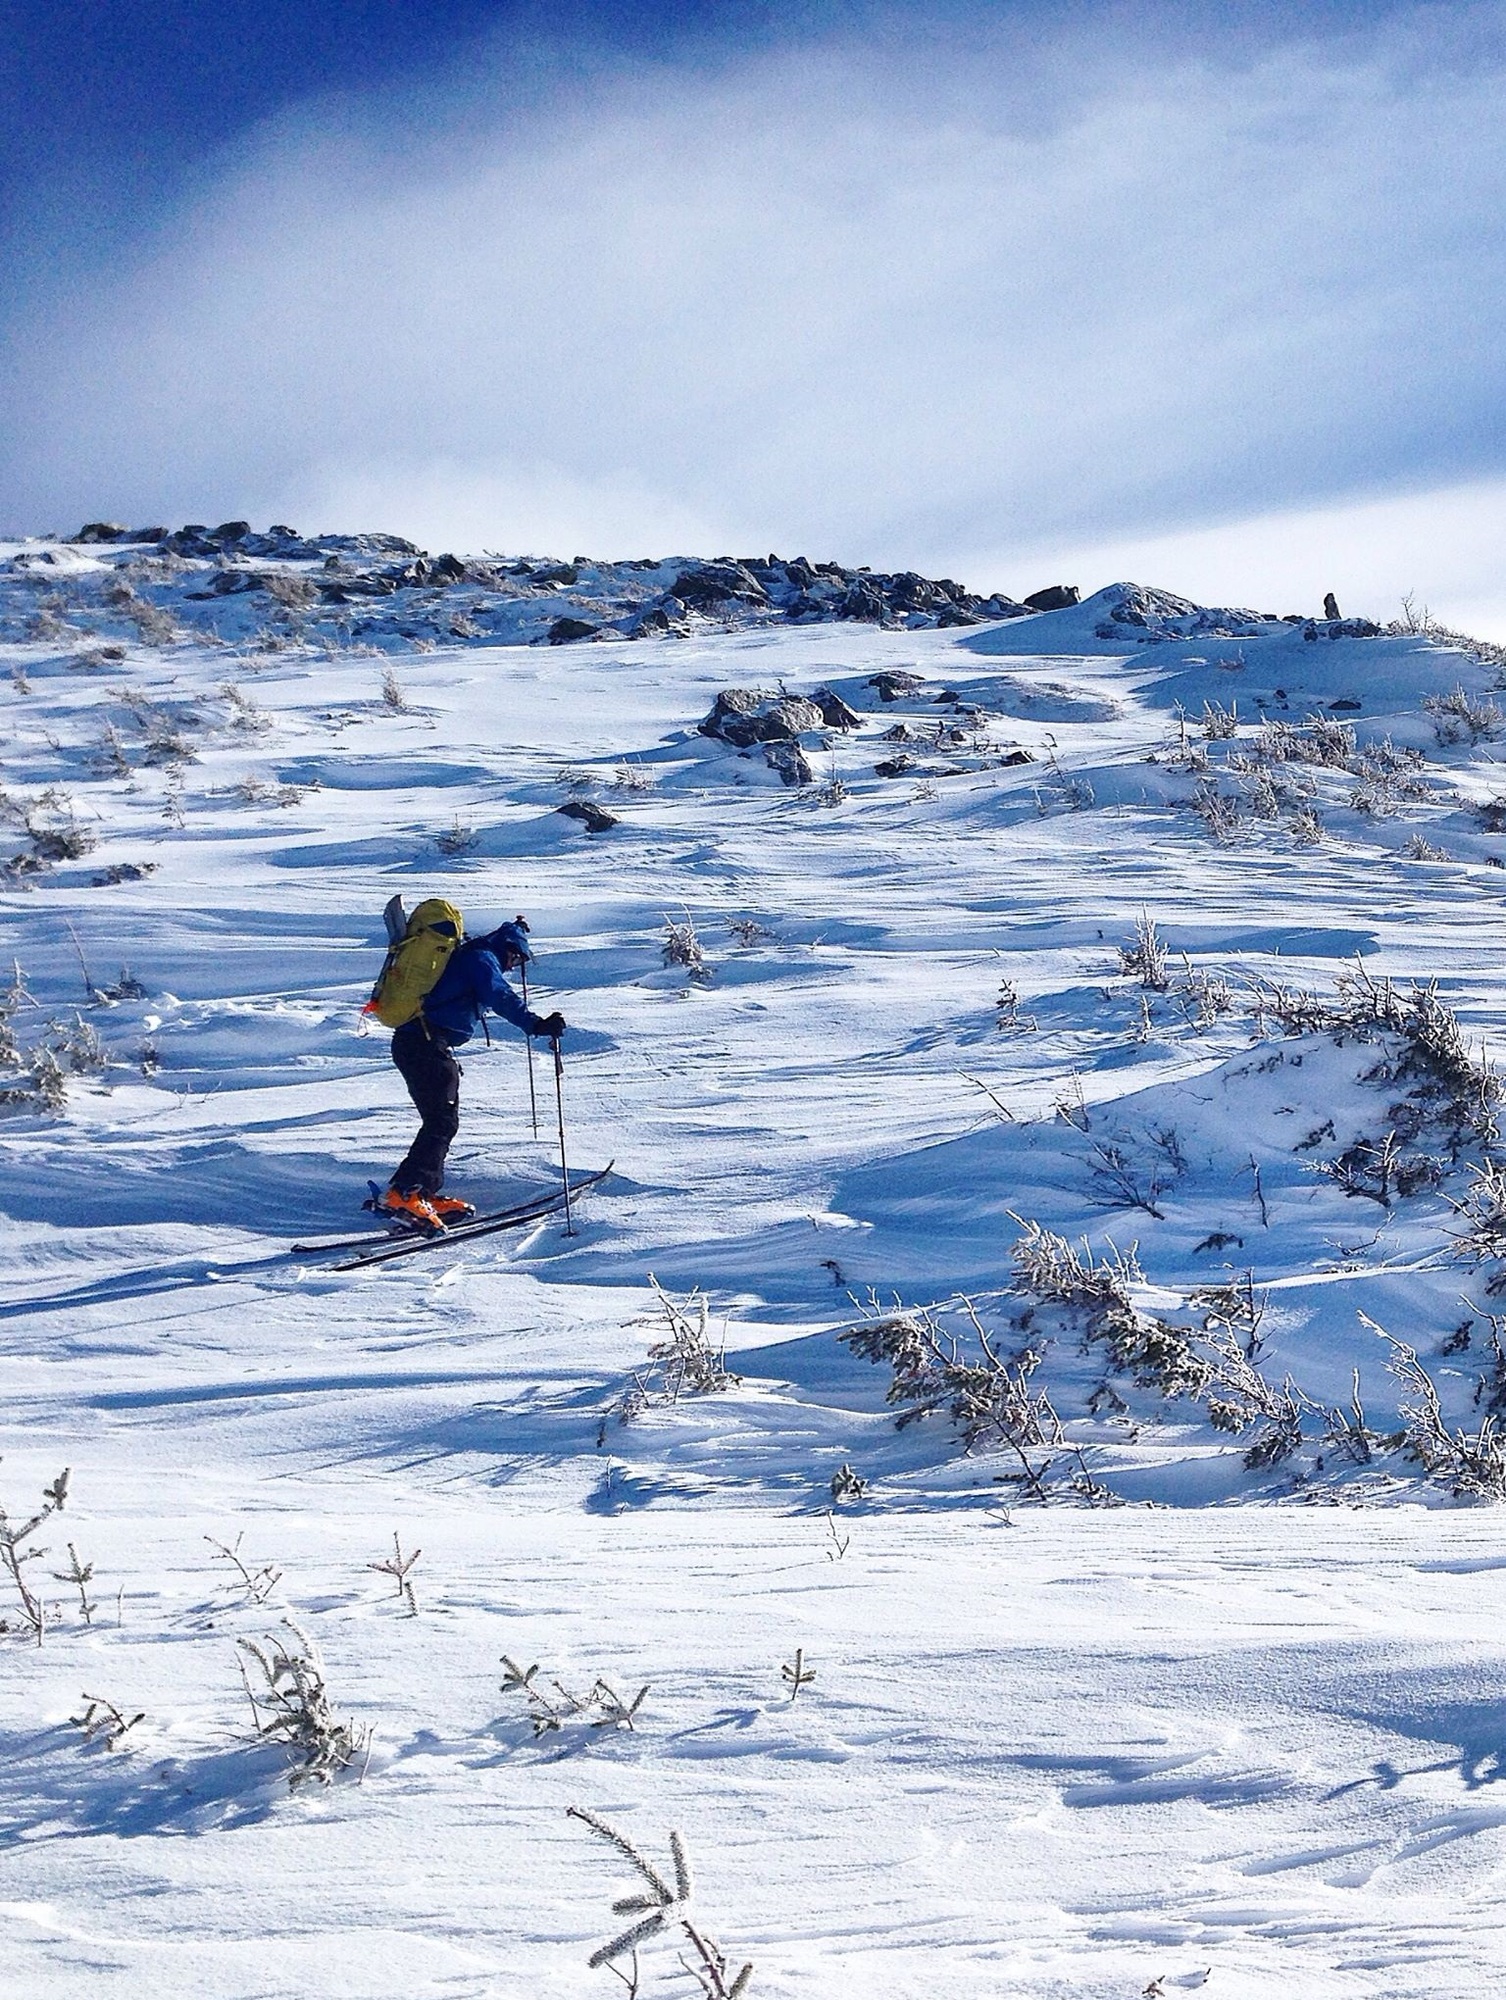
[{"x": 415, "y": 962}]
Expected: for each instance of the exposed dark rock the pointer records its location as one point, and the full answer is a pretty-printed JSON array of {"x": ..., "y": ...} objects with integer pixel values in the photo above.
[
  {"x": 744, "y": 716},
  {"x": 447, "y": 569},
  {"x": 894, "y": 687},
  {"x": 594, "y": 818},
  {"x": 651, "y": 623},
  {"x": 563, "y": 630},
  {"x": 835, "y": 713},
  {"x": 1055, "y": 597},
  {"x": 1331, "y": 606},
  {"x": 230, "y": 531},
  {"x": 717, "y": 583},
  {"x": 894, "y": 767},
  {"x": 1346, "y": 705},
  {"x": 790, "y": 761},
  {"x": 1354, "y": 628},
  {"x": 1017, "y": 757},
  {"x": 102, "y": 531}
]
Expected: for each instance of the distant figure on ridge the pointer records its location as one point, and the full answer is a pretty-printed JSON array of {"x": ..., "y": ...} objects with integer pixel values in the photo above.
[
  {"x": 435, "y": 990},
  {"x": 1330, "y": 606}
]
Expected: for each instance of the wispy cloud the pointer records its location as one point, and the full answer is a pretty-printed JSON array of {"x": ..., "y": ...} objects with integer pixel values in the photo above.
[{"x": 933, "y": 300}]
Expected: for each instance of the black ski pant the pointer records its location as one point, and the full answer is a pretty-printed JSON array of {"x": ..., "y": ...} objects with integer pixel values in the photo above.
[{"x": 429, "y": 1069}]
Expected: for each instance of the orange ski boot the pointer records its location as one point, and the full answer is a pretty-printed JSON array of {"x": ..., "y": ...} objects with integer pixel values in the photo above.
[
  {"x": 449, "y": 1210},
  {"x": 415, "y": 1209}
]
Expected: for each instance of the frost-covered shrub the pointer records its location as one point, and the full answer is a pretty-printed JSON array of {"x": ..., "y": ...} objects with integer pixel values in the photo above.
[
  {"x": 1457, "y": 716},
  {"x": 1155, "y": 1353},
  {"x": 291, "y": 1707},
  {"x": 1319, "y": 740},
  {"x": 988, "y": 1398},
  {"x": 1146, "y": 957},
  {"x": 683, "y": 947},
  {"x": 1471, "y": 1465}
]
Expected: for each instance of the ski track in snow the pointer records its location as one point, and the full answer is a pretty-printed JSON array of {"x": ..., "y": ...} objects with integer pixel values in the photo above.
[{"x": 1049, "y": 1751}]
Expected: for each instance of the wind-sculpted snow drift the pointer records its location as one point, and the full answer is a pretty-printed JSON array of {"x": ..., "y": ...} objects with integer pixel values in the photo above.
[{"x": 1049, "y": 1061}]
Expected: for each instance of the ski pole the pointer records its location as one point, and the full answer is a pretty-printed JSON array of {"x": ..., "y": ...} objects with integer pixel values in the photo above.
[
  {"x": 533, "y": 1102},
  {"x": 559, "y": 1099}
]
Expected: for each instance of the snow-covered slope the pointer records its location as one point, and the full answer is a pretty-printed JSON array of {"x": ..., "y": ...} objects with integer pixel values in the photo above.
[{"x": 1061, "y": 1740}]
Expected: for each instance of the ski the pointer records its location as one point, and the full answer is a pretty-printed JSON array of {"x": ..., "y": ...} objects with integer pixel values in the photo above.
[
  {"x": 401, "y": 1234},
  {"x": 483, "y": 1225}
]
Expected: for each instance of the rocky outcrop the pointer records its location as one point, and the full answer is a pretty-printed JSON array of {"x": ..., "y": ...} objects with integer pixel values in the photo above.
[
  {"x": 790, "y": 761},
  {"x": 564, "y": 630},
  {"x": 594, "y": 818},
  {"x": 1055, "y": 597},
  {"x": 745, "y": 716},
  {"x": 895, "y": 686},
  {"x": 835, "y": 714}
]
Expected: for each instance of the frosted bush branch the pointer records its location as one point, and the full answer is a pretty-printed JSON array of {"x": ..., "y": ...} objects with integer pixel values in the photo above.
[
  {"x": 657, "y": 1906},
  {"x": 1471, "y": 1466},
  {"x": 600, "y": 1708},
  {"x": 292, "y": 1707},
  {"x": 15, "y": 1555}
]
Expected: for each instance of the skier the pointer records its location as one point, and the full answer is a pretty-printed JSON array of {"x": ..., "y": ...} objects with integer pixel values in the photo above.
[{"x": 471, "y": 986}]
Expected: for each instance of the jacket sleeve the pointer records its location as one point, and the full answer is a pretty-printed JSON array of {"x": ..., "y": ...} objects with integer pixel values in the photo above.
[{"x": 495, "y": 996}]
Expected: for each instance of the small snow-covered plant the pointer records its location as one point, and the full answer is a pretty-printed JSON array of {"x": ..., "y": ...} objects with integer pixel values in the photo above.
[
  {"x": 397, "y": 1566},
  {"x": 245, "y": 712},
  {"x": 796, "y": 1674},
  {"x": 76, "y": 1044},
  {"x": 655, "y": 1908},
  {"x": 1319, "y": 740},
  {"x": 258, "y": 1583},
  {"x": 80, "y": 1575},
  {"x": 1119, "y": 1180},
  {"x": 1419, "y": 848},
  {"x": 16, "y": 1555},
  {"x": 686, "y": 1360},
  {"x": 1457, "y": 715},
  {"x": 834, "y": 791},
  {"x": 1482, "y": 1211},
  {"x": 1007, "y": 1016},
  {"x": 53, "y": 828},
  {"x": 1306, "y": 827},
  {"x": 1146, "y": 958},
  {"x": 457, "y": 839},
  {"x": 1219, "y": 811},
  {"x": 1058, "y": 789},
  {"x": 601, "y": 1707},
  {"x": 18, "y": 679},
  {"x": 681, "y": 946},
  {"x": 749, "y": 931},
  {"x": 1220, "y": 723},
  {"x": 847, "y": 1485},
  {"x": 291, "y": 1707},
  {"x": 1472, "y": 1466},
  {"x": 1381, "y": 1169},
  {"x": 1209, "y": 992},
  {"x": 575, "y": 780},
  {"x": 392, "y": 691},
  {"x": 633, "y": 778},
  {"x": 103, "y": 1721}
]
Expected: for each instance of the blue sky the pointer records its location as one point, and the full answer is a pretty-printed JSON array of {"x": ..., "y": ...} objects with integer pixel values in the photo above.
[{"x": 988, "y": 290}]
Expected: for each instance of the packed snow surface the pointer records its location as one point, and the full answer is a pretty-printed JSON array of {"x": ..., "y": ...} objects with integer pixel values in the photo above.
[{"x": 1157, "y": 1687}]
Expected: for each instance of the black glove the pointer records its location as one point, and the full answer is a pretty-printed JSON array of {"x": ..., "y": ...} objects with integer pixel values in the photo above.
[{"x": 552, "y": 1026}]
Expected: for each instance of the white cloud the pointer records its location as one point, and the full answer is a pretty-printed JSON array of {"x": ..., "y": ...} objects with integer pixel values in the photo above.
[{"x": 919, "y": 304}]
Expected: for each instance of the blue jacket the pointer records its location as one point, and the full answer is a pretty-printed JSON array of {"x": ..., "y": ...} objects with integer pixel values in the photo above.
[{"x": 472, "y": 985}]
